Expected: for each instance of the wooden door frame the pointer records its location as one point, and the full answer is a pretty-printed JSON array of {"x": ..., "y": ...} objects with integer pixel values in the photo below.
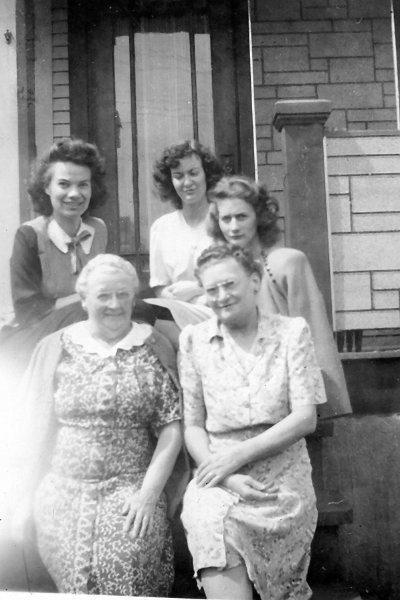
[{"x": 234, "y": 143}]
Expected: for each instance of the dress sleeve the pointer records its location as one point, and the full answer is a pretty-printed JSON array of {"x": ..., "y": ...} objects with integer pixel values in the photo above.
[
  {"x": 30, "y": 304},
  {"x": 305, "y": 381},
  {"x": 194, "y": 410},
  {"x": 167, "y": 407},
  {"x": 158, "y": 270},
  {"x": 291, "y": 272}
]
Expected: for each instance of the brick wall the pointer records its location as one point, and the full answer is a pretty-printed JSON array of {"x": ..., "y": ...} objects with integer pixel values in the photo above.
[
  {"x": 364, "y": 208},
  {"x": 61, "y": 116},
  {"x": 338, "y": 50}
]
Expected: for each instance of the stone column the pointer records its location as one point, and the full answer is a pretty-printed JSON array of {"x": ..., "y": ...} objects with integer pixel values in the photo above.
[{"x": 306, "y": 224}]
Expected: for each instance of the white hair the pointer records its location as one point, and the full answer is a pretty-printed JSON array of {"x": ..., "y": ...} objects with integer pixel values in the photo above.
[{"x": 112, "y": 261}]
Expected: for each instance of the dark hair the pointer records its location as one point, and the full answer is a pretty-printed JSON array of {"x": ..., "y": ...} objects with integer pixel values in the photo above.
[
  {"x": 222, "y": 250},
  {"x": 170, "y": 159},
  {"x": 74, "y": 151},
  {"x": 255, "y": 194}
]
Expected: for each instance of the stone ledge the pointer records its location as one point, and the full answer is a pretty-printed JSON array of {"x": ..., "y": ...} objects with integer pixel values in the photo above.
[{"x": 300, "y": 112}]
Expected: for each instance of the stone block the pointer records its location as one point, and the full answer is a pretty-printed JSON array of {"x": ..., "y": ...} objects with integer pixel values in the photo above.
[
  {"x": 60, "y": 65},
  {"x": 377, "y": 222},
  {"x": 365, "y": 251},
  {"x": 385, "y": 300},
  {"x": 347, "y": 95},
  {"x": 388, "y": 88},
  {"x": 356, "y": 126},
  {"x": 296, "y": 78},
  {"x": 339, "y": 213},
  {"x": 386, "y": 280},
  {"x": 296, "y": 91},
  {"x": 356, "y": 146},
  {"x": 384, "y": 74},
  {"x": 61, "y": 91},
  {"x": 389, "y": 101},
  {"x": 371, "y": 9},
  {"x": 264, "y": 144},
  {"x": 291, "y": 58},
  {"x": 272, "y": 176},
  {"x": 363, "y": 165},
  {"x": 337, "y": 120},
  {"x": 352, "y": 291},
  {"x": 338, "y": 185},
  {"x": 274, "y": 158},
  {"x": 61, "y": 104},
  {"x": 59, "y": 14},
  {"x": 276, "y": 139},
  {"x": 377, "y": 114},
  {"x": 61, "y": 117},
  {"x": 256, "y": 52},
  {"x": 59, "y": 27},
  {"x": 319, "y": 64},
  {"x": 381, "y": 125},
  {"x": 60, "y": 39},
  {"x": 61, "y": 78},
  {"x": 376, "y": 193},
  {"x": 283, "y": 40},
  {"x": 60, "y": 52},
  {"x": 61, "y": 131},
  {"x": 368, "y": 319},
  {"x": 353, "y": 165},
  {"x": 265, "y": 91},
  {"x": 291, "y": 27},
  {"x": 382, "y": 30},
  {"x": 264, "y": 110},
  {"x": 261, "y": 158},
  {"x": 384, "y": 56},
  {"x": 330, "y": 12},
  {"x": 334, "y": 45},
  {"x": 353, "y": 25},
  {"x": 257, "y": 72},
  {"x": 276, "y": 10},
  {"x": 263, "y": 131},
  {"x": 351, "y": 69}
]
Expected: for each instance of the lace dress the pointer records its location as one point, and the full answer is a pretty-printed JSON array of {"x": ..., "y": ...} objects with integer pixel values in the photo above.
[
  {"x": 235, "y": 399},
  {"x": 109, "y": 409}
]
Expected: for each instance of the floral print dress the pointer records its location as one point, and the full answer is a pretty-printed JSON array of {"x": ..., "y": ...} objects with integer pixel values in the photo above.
[
  {"x": 109, "y": 408},
  {"x": 235, "y": 396}
]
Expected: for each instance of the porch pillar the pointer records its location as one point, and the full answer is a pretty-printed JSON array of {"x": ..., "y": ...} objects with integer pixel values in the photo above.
[{"x": 306, "y": 220}]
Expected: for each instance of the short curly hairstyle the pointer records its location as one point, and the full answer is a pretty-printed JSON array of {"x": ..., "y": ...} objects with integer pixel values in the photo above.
[
  {"x": 222, "y": 250},
  {"x": 255, "y": 194},
  {"x": 67, "y": 150},
  {"x": 170, "y": 159},
  {"x": 110, "y": 261}
]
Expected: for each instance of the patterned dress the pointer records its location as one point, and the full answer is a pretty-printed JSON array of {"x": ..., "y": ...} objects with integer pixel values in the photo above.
[
  {"x": 236, "y": 395},
  {"x": 109, "y": 408}
]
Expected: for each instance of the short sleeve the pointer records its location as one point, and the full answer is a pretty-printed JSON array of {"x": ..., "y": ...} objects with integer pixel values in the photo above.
[
  {"x": 305, "y": 380},
  {"x": 158, "y": 271},
  {"x": 194, "y": 411},
  {"x": 167, "y": 405}
]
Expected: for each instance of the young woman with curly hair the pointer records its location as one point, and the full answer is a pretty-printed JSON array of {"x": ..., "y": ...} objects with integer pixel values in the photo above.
[
  {"x": 242, "y": 213},
  {"x": 183, "y": 175}
]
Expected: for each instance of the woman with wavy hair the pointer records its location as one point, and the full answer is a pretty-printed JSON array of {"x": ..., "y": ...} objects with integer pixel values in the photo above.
[{"x": 243, "y": 213}]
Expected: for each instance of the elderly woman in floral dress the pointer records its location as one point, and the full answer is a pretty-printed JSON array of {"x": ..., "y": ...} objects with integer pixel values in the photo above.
[{"x": 251, "y": 385}]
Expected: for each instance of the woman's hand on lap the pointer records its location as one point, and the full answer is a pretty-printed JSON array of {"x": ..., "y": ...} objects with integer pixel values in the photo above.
[
  {"x": 139, "y": 513},
  {"x": 249, "y": 488},
  {"x": 218, "y": 466}
]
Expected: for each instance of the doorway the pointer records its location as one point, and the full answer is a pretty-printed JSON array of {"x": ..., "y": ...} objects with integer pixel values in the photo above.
[{"x": 146, "y": 74}]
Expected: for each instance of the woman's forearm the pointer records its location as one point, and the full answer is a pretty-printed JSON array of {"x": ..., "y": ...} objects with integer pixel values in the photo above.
[
  {"x": 162, "y": 463},
  {"x": 279, "y": 437},
  {"x": 196, "y": 439}
]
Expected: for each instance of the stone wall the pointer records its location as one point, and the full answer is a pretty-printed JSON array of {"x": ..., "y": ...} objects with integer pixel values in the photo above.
[
  {"x": 364, "y": 207},
  {"x": 340, "y": 51}
]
